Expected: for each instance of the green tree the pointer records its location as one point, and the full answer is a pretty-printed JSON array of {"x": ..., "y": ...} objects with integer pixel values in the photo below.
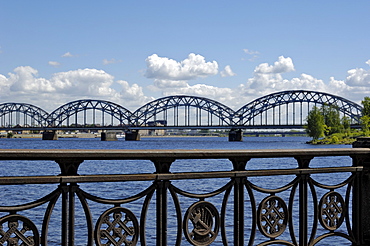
[
  {"x": 366, "y": 106},
  {"x": 346, "y": 124},
  {"x": 331, "y": 119},
  {"x": 365, "y": 124},
  {"x": 315, "y": 123},
  {"x": 365, "y": 119}
]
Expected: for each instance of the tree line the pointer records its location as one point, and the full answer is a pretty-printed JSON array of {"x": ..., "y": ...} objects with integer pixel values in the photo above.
[{"x": 325, "y": 121}]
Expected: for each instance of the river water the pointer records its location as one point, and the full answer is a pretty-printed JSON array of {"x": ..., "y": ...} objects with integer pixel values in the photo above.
[{"x": 12, "y": 195}]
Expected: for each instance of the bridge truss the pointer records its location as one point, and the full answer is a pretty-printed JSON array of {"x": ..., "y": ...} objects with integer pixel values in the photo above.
[
  {"x": 276, "y": 110},
  {"x": 184, "y": 111},
  {"x": 292, "y": 107},
  {"x": 86, "y": 112},
  {"x": 22, "y": 114}
]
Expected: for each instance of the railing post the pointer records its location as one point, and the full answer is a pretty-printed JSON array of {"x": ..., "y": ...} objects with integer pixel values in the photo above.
[
  {"x": 239, "y": 165},
  {"x": 65, "y": 214},
  {"x": 361, "y": 195},
  {"x": 68, "y": 167},
  {"x": 303, "y": 162},
  {"x": 162, "y": 165}
]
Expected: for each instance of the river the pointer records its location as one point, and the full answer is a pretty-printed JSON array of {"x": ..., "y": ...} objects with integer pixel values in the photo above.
[{"x": 12, "y": 195}]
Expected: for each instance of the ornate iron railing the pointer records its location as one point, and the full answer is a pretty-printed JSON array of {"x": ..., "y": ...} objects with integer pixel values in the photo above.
[{"x": 302, "y": 211}]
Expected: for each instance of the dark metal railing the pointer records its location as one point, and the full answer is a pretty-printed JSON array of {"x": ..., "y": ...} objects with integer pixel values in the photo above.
[{"x": 238, "y": 217}]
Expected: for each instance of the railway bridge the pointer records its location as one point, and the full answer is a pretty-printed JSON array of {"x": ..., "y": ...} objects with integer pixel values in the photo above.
[{"x": 280, "y": 110}]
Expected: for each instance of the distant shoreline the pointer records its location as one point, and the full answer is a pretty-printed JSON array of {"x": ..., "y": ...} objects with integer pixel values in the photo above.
[{"x": 94, "y": 135}]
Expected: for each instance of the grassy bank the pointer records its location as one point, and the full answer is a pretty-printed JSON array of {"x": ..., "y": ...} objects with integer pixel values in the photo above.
[{"x": 340, "y": 138}]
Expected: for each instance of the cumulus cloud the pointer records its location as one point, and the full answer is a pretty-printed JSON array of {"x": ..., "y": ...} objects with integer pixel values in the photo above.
[
  {"x": 84, "y": 82},
  {"x": 25, "y": 80},
  {"x": 283, "y": 65},
  {"x": 192, "y": 67},
  {"x": 358, "y": 77},
  {"x": 25, "y": 85},
  {"x": 268, "y": 79},
  {"x": 173, "y": 73},
  {"x": 54, "y": 63},
  {"x": 355, "y": 86},
  {"x": 133, "y": 95},
  {"x": 227, "y": 72}
]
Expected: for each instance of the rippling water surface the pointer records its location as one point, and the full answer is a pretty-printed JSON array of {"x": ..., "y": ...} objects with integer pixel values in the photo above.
[{"x": 12, "y": 195}]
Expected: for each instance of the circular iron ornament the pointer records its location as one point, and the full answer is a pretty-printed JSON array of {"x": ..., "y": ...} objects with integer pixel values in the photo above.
[
  {"x": 18, "y": 230},
  {"x": 117, "y": 226},
  {"x": 273, "y": 216},
  {"x": 204, "y": 226},
  {"x": 332, "y": 210}
]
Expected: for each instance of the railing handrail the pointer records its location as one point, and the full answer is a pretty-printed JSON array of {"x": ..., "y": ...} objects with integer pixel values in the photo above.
[
  {"x": 148, "y": 154},
  {"x": 350, "y": 206}
]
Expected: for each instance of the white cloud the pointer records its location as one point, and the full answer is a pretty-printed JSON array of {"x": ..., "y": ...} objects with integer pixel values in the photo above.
[
  {"x": 54, "y": 63},
  {"x": 368, "y": 62},
  {"x": 24, "y": 85},
  {"x": 111, "y": 61},
  {"x": 68, "y": 54},
  {"x": 25, "y": 80},
  {"x": 268, "y": 79},
  {"x": 227, "y": 72},
  {"x": 168, "y": 72},
  {"x": 133, "y": 95},
  {"x": 4, "y": 82},
  {"x": 283, "y": 65},
  {"x": 83, "y": 82},
  {"x": 358, "y": 77}
]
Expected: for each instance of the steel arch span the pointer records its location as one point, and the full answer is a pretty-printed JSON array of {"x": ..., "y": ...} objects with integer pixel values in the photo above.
[
  {"x": 274, "y": 102},
  {"x": 70, "y": 113},
  {"x": 167, "y": 109},
  {"x": 36, "y": 116}
]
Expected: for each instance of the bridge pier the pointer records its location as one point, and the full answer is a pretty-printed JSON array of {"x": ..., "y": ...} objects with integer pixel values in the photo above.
[
  {"x": 235, "y": 135},
  {"x": 108, "y": 136},
  {"x": 49, "y": 135},
  {"x": 132, "y": 135}
]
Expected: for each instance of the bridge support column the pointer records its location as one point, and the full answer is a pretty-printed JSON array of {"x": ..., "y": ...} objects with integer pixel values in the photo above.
[
  {"x": 108, "y": 136},
  {"x": 235, "y": 135},
  {"x": 132, "y": 135},
  {"x": 49, "y": 135}
]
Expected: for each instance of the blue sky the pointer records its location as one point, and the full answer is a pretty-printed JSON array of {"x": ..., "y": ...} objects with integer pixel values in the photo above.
[{"x": 132, "y": 52}]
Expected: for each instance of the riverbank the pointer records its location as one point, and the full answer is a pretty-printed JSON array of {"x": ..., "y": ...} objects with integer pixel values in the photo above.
[{"x": 338, "y": 138}]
